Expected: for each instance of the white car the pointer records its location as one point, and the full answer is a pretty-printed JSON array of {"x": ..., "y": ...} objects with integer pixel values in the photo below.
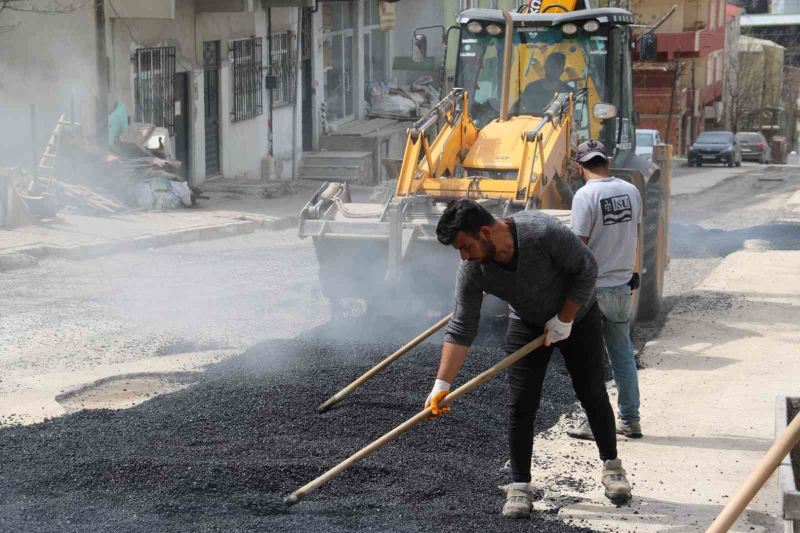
[{"x": 645, "y": 139}]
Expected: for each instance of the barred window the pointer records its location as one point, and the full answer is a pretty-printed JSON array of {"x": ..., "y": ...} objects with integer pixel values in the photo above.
[
  {"x": 154, "y": 88},
  {"x": 283, "y": 67},
  {"x": 246, "y": 56}
]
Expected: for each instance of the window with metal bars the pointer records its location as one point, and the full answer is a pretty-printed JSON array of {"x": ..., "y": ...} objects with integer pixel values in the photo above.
[
  {"x": 154, "y": 87},
  {"x": 282, "y": 66},
  {"x": 246, "y": 57}
]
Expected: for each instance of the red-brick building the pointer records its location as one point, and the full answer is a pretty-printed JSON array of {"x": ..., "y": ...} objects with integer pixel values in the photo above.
[{"x": 680, "y": 93}]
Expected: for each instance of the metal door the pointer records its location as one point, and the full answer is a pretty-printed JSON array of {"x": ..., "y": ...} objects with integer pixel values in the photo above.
[
  {"x": 211, "y": 61},
  {"x": 182, "y": 122}
]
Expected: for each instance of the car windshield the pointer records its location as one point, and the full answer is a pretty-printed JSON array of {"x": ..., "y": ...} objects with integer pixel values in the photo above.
[
  {"x": 544, "y": 62},
  {"x": 714, "y": 138},
  {"x": 644, "y": 139},
  {"x": 749, "y": 137}
]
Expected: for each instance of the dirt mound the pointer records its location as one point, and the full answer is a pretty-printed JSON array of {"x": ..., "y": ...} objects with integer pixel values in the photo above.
[{"x": 221, "y": 455}]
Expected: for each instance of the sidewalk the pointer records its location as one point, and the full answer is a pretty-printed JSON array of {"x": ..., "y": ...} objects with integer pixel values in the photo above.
[
  {"x": 708, "y": 404},
  {"x": 74, "y": 236}
]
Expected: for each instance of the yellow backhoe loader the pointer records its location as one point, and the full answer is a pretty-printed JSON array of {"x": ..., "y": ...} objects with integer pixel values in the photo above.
[{"x": 529, "y": 87}]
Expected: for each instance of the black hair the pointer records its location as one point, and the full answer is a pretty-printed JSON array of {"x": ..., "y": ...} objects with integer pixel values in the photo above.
[
  {"x": 595, "y": 163},
  {"x": 463, "y": 215}
]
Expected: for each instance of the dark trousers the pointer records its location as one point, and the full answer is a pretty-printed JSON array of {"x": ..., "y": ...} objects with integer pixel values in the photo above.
[{"x": 583, "y": 355}]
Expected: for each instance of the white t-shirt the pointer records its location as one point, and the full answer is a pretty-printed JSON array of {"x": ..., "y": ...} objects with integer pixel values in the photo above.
[{"x": 607, "y": 211}]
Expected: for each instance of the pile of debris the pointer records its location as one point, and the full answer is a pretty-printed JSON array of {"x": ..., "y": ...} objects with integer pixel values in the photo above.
[
  {"x": 390, "y": 101},
  {"x": 139, "y": 171}
]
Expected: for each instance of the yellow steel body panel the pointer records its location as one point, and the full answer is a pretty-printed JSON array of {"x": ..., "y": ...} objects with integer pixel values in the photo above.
[{"x": 499, "y": 145}]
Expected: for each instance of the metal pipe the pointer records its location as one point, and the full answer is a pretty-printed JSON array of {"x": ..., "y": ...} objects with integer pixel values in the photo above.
[
  {"x": 507, "y": 50},
  {"x": 463, "y": 390}
]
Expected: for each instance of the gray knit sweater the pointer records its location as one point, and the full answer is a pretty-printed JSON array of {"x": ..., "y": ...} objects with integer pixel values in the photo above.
[{"x": 553, "y": 263}]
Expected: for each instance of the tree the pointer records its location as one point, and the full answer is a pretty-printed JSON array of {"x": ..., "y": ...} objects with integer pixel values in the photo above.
[
  {"x": 41, "y": 7},
  {"x": 745, "y": 87}
]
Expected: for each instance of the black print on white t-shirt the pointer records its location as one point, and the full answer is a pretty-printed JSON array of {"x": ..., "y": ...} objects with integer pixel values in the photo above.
[{"x": 616, "y": 209}]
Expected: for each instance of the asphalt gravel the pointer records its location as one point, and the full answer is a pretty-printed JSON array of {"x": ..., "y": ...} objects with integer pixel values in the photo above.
[{"x": 222, "y": 454}]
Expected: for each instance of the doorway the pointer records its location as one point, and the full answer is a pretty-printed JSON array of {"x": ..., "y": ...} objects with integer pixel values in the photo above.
[
  {"x": 338, "y": 60},
  {"x": 182, "y": 122},
  {"x": 211, "y": 62},
  {"x": 307, "y": 89}
]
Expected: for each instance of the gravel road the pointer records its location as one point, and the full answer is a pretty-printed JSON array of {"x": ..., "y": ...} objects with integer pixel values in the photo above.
[{"x": 221, "y": 453}]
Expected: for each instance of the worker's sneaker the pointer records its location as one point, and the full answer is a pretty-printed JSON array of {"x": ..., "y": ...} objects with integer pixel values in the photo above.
[
  {"x": 518, "y": 501},
  {"x": 632, "y": 429},
  {"x": 618, "y": 490},
  {"x": 582, "y": 431}
]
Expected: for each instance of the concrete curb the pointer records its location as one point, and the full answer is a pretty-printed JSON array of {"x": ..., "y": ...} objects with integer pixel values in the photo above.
[{"x": 29, "y": 256}]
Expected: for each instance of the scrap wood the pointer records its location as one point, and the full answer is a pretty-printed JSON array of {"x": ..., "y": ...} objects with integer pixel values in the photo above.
[{"x": 82, "y": 197}]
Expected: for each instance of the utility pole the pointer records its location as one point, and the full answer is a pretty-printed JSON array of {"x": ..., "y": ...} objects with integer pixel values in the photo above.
[{"x": 101, "y": 103}]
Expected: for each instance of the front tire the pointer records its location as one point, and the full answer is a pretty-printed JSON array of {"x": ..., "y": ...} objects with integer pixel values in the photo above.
[{"x": 654, "y": 260}]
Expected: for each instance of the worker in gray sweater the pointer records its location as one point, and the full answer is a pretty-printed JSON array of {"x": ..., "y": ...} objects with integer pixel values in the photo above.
[{"x": 547, "y": 276}]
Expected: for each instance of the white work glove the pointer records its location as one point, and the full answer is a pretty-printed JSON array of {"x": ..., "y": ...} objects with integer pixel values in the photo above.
[
  {"x": 556, "y": 330},
  {"x": 441, "y": 388}
]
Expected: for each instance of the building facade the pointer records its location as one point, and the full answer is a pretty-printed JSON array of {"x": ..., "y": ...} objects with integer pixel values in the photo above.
[{"x": 680, "y": 94}]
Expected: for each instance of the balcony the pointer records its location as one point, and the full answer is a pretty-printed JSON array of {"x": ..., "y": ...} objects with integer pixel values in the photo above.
[
  {"x": 712, "y": 92},
  {"x": 697, "y": 43}
]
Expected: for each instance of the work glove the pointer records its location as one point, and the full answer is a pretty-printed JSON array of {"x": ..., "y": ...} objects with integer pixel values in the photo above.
[
  {"x": 441, "y": 388},
  {"x": 556, "y": 330}
]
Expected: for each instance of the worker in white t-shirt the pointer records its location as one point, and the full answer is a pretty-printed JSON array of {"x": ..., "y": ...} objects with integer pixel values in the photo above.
[{"x": 606, "y": 213}]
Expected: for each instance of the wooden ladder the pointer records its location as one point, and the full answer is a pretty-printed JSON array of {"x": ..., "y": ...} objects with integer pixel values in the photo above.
[{"x": 46, "y": 167}]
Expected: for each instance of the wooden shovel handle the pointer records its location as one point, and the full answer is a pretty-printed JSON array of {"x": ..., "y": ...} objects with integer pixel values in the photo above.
[
  {"x": 369, "y": 374},
  {"x": 466, "y": 388},
  {"x": 760, "y": 474}
]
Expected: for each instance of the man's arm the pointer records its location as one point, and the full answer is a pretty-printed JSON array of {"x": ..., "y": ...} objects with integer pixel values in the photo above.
[
  {"x": 453, "y": 356},
  {"x": 460, "y": 332}
]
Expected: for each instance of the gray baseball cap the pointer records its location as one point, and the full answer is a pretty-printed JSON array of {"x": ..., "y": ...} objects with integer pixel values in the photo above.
[{"x": 589, "y": 149}]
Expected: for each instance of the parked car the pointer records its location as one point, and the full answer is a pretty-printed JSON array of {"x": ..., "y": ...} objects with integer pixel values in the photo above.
[
  {"x": 715, "y": 147},
  {"x": 754, "y": 147},
  {"x": 645, "y": 139}
]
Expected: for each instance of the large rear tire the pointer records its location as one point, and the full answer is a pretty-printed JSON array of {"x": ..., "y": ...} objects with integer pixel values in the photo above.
[{"x": 652, "y": 282}]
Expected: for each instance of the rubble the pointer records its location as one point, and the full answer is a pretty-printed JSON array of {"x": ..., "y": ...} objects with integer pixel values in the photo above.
[
  {"x": 139, "y": 171},
  {"x": 223, "y": 453}
]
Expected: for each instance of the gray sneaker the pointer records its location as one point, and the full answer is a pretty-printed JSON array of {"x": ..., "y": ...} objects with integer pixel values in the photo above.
[
  {"x": 618, "y": 490},
  {"x": 582, "y": 431},
  {"x": 518, "y": 501},
  {"x": 632, "y": 429}
]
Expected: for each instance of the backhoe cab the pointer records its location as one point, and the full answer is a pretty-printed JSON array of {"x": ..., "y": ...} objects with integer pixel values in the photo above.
[{"x": 528, "y": 89}]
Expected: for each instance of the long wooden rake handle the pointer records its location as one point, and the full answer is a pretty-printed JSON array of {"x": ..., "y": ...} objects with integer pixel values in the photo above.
[
  {"x": 760, "y": 474},
  {"x": 464, "y": 389},
  {"x": 327, "y": 404}
]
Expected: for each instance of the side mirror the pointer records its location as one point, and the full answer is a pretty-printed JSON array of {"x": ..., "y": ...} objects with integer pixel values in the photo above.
[
  {"x": 604, "y": 111},
  {"x": 420, "y": 48},
  {"x": 648, "y": 47}
]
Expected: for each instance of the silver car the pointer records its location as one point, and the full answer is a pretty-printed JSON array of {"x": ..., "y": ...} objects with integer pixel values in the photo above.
[
  {"x": 754, "y": 147},
  {"x": 645, "y": 139}
]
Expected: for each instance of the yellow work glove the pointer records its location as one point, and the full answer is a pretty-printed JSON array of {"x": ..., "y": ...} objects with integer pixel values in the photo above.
[{"x": 441, "y": 388}]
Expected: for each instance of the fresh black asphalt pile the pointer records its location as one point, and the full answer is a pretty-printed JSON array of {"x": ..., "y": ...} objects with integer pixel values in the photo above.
[{"x": 222, "y": 454}]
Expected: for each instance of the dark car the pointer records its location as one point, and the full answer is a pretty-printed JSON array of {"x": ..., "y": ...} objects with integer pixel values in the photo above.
[
  {"x": 715, "y": 147},
  {"x": 754, "y": 147}
]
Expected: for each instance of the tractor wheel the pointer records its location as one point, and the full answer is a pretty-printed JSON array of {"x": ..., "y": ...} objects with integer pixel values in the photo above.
[{"x": 654, "y": 260}]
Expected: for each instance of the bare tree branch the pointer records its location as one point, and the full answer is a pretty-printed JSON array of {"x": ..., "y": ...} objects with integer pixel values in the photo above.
[{"x": 41, "y": 7}]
